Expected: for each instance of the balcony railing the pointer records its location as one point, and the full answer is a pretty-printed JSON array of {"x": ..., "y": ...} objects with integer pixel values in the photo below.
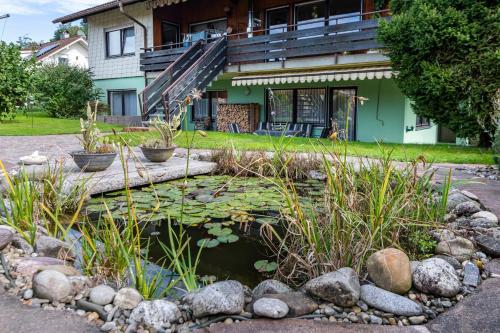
[{"x": 357, "y": 33}]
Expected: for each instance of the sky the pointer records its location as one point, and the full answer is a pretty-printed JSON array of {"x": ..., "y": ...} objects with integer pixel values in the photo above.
[{"x": 33, "y": 18}]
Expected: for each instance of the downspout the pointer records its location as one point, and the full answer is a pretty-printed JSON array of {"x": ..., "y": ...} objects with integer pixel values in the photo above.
[{"x": 145, "y": 38}]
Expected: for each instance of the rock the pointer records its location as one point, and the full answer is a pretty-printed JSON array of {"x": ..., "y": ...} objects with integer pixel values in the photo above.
[
  {"x": 53, "y": 247},
  {"x": 28, "y": 294},
  {"x": 226, "y": 297},
  {"x": 21, "y": 243},
  {"x": 89, "y": 306},
  {"x": 417, "y": 320},
  {"x": 51, "y": 285},
  {"x": 470, "y": 195},
  {"x": 109, "y": 326},
  {"x": 471, "y": 275},
  {"x": 450, "y": 260},
  {"x": 158, "y": 314},
  {"x": 5, "y": 237},
  {"x": 493, "y": 267},
  {"x": 127, "y": 298},
  {"x": 299, "y": 304},
  {"x": 29, "y": 266},
  {"x": 485, "y": 215},
  {"x": 467, "y": 208},
  {"x": 436, "y": 276},
  {"x": 317, "y": 175},
  {"x": 390, "y": 269},
  {"x": 481, "y": 222},
  {"x": 340, "y": 287},
  {"x": 389, "y": 302},
  {"x": 490, "y": 245},
  {"x": 78, "y": 284},
  {"x": 102, "y": 294},
  {"x": 65, "y": 269},
  {"x": 413, "y": 265},
  {"x": 270, "y": 308},
  {"x": 270, "y": 287},
  {"x": 460, "y": 248},
  {"x": 375, "y": 320},
  {"x": 454, "y": 199},
  {"x": 442, "y": 234}
]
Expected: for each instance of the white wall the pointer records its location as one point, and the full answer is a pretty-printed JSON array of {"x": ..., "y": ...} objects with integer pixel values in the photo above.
[
  {"x": 128, "y": 66},
  {"x": 77, "y": 55}
]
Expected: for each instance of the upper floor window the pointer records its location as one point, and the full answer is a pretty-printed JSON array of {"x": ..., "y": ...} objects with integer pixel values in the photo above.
[{"x": 120, "y": 42}]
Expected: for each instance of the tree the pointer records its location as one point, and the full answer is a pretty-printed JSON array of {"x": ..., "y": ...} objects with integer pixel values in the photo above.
[
  {"x": 15, "y": 80},
  {"x": 26, "y": 42},
  {"x": 447, "y": 56},
  {"x": 72, "y": 30},
  {"x": 63, "y": 91}
]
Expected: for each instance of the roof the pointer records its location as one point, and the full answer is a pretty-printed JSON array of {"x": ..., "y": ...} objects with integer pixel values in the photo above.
[
  {"x": 47, "y": 49},
  {"x": 92, "y": 10}
]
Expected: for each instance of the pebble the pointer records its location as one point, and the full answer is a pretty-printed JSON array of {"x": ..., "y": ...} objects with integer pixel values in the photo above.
[
  {"x": 80, "y": 312},
  {"x": 417, "y": 320},
  {"x": 109, "y": 326},
  {"x": 28, "y": 294},
  {"x": 108, "y": 308},
  {"x": 93, "y": 316},
  {"x": 228, "y": 321},
  {"x": 375, "y": 320},
  {"x": 329, "y": 311},
  {"x": 446, "y": 304}
]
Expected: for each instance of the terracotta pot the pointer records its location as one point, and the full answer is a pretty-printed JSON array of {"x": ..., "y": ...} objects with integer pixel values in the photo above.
[
  {"x": 88, "y": 162},
  {"x": 158, "y": 155}
]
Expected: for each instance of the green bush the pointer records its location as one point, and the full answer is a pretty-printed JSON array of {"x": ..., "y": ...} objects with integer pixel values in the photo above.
[
  {"x": 63, "y": 91},
  {"x": 15, "y": 80}
]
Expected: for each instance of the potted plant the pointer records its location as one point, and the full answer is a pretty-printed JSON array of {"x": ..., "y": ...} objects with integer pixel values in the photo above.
[
  {"x": 161, "y": 149},
  {"x": 96, "y": 155}
]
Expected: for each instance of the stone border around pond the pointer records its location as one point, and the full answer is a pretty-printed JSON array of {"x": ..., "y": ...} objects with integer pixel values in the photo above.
[{"x": 397, "y": 291}]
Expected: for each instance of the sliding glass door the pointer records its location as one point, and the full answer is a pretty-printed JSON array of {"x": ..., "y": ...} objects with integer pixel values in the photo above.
[{"x": 344, "y": 113}]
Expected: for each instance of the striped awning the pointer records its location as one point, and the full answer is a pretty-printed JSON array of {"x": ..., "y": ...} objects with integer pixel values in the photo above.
[
  {"x": 308, "y": 77},
  {"x": 151, "y": 4}
]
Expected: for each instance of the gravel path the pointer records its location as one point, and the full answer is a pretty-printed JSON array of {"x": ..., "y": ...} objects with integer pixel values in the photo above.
[{"x": 19, "y": 318}]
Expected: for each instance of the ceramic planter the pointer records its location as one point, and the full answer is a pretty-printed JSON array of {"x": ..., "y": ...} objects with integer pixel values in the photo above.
[
  {"x": 88, "y": 162},
  {"x": 158, "y": 155}
]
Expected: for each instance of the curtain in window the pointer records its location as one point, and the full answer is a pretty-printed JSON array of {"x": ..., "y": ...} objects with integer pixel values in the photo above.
[
  {"x": 311, "y": 15},
  {"x": 344, "y": 113},
  {"x": 311, "y": 106},
  {"x": 128, "y": 41},
  {"x": 114, "y": 45},
  {"x": 280, "y": 106}
]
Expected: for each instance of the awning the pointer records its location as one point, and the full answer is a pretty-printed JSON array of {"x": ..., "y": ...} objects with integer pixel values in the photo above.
[
  {"x": 324, "y": 76},
  {"x": 160, "y": 3}
]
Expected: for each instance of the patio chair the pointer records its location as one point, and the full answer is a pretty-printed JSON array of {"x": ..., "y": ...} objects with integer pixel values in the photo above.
[
  {"x": 306, "y": 129},
  {"x": 234, "y": 128}
]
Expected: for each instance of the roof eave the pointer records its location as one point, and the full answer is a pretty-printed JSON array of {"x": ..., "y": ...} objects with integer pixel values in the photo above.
[{"x": 92, "y": 11}]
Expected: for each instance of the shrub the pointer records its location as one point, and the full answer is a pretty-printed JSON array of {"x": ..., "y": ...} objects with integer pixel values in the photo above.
[
  {"x": 63, "y": 91},
  {"x": 15, "y": 80}
]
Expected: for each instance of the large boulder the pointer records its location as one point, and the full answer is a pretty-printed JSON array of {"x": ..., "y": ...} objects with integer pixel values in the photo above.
[
  {"x": 340, "y": 287},
  {"x": 127, "y": 298},
  {"x": 454, "y": 199},
  {"x": 29, "y": 266},
  {"x": 5, "y": 237},
  {"x": 466, "y": 208},
  {"x": 102, "y": 295},
  {"x": 436, "y": 276},
  {"x": 483, "y": 219},
  {"x": 460, "y": 248},
  {"x": 53, "y": 247},
  {"x": 52, "y": 285},
  {"x": 390, "y": 269},
  {"x": 386, "y": 301},
  {"x": 158, "y": 314},
  {"x": 270, "y": 308},
  {"x": 226, "y": 297},
  {"x": 270, "y": 287}
]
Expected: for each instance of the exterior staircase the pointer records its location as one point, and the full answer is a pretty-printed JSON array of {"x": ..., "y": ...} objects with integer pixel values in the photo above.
[{"x": 195, "y": 68}]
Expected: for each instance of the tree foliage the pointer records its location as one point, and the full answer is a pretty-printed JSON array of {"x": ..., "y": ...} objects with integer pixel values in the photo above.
[
  {"x": 63, "y": 91},
  {"x": 72, "y": 30},
  {"x": 15, "y": 80},
  {"x": 447, "y": 53}
]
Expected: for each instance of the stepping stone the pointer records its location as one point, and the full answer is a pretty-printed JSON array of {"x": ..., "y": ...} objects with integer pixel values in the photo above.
[{"x": 471, "y": 275}]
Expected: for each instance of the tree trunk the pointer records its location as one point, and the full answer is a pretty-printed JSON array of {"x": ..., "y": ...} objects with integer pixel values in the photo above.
[{"x": 485, "y": 140}]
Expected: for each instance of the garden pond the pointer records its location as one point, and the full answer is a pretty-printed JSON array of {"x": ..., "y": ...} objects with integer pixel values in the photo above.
[{"x": 224, "y": 215}]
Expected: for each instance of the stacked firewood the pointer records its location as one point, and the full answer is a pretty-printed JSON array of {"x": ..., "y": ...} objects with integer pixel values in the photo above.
[{"x": 245, "y": 115}]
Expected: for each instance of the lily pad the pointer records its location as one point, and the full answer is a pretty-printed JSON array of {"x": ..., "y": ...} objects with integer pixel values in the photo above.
[
  {"x": 208, "y": 243},
  {"x": 228, "y": 238},
  {"x": 265, "y": 266},
  {"x": 220, "y": 231}
]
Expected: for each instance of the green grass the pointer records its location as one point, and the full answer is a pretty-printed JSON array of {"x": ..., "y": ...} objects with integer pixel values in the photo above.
[
  {"x": 40, "y": 123},
  {"x": 440, "y": 153}
]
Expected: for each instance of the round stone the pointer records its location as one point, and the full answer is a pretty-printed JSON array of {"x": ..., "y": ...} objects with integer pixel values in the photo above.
[
  {"x": 270, "y": 308},
  {"x": 270, "y": 287},
  {"x": 102, "y": 294},
  {"x": 51, "y": 285},
  {"x": 127, "y": 298},
  {"x": 460, "y": 248},
  {"x": 436, "y": 276},
  {"x": 340, "y": 287},
  {"x": 390, "y": 269}
]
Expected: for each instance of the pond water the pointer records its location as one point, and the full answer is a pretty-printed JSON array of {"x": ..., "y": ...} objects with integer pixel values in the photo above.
[{"x": 224, "y": 215}]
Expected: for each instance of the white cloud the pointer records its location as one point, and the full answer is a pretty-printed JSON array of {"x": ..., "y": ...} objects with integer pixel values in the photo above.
[{"x": 33, "y": 7}]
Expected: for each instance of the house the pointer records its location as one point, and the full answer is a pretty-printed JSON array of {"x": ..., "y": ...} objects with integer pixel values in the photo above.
[
  {"x": 72, "y": 51},
  {"x": 276, "y": 61}
]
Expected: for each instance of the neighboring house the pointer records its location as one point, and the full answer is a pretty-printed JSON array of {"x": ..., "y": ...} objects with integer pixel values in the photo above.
[
  {"x": 292, "y": 61},
  {"x": 69, "y": 50}
]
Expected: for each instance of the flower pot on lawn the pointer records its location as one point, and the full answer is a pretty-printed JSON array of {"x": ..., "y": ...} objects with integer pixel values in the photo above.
[
  {"x": 92, "y": 162},
  {"x": 158, "y": 155}
]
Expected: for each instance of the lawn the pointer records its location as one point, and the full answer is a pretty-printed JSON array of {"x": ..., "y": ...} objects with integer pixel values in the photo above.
[
  {"x": 432, "y": 153},
  {"x": 40, "y": 123}
]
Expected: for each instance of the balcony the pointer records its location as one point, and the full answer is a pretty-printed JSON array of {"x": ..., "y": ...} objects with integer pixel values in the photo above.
[{"x": 356, "y": 34}]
